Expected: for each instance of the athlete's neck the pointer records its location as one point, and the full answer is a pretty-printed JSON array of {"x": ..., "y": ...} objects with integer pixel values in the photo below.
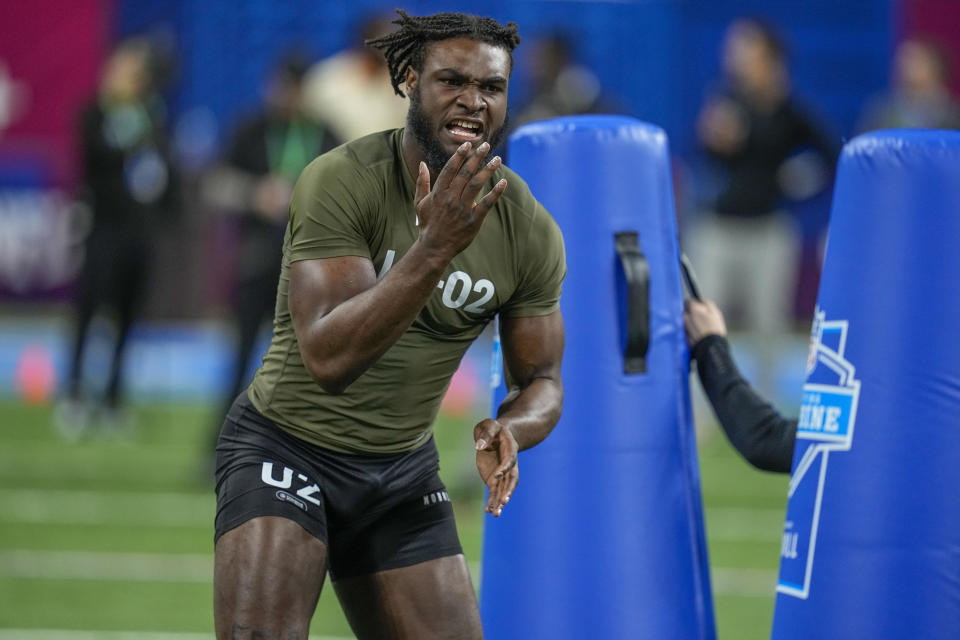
[{"x": 413, "y": 155}]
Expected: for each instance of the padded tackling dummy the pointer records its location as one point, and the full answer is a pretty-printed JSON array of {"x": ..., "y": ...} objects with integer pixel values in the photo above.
[
  {"x": 871, "y": 543},
  {"x": 604, "y": 536}
]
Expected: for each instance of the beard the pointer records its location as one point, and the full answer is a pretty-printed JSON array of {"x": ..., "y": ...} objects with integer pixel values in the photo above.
[{"x": 424, "y": 131}]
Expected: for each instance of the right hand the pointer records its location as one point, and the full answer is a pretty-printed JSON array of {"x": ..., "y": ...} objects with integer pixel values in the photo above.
[
  {"x": 702, "y": 319},
  {"x": 450, "y": 214}
]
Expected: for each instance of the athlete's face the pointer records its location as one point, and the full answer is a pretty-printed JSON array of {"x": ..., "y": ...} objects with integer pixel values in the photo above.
[{"x": 460, "y": 96}]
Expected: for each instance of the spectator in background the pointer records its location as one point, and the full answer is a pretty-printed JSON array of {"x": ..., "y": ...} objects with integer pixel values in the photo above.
[
  {"x": 351, "y": 90},
  {"x": 128, "y": 183},
  {"x": 920, "y": 94},
  {"x": 560, "y": 85},
  {"x": 766, "y": 148},
  {"x": 265, "y": 156}
]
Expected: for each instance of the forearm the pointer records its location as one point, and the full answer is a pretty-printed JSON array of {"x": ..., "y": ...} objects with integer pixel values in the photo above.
[
  {"x": 754, "y": 427},
  {"x": 338, "y": 346},
  {"x": 532, "y": 412}
]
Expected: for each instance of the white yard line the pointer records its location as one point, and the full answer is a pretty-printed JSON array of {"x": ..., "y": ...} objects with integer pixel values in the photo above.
[
  {"x": 91, "y": 565},
  {"x": 198, "y": 568},
  {"x": 732, "y": 524},
  {"x": 40, "y": 506},
  {"x": 744, "y": 583}
]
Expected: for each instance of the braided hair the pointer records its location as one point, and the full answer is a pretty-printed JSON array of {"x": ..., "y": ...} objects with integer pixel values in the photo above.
[{"x": 407, "y": 46}]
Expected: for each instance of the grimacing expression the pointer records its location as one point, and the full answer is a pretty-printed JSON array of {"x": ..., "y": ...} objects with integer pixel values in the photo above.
[{"x": 459, "y": 96}]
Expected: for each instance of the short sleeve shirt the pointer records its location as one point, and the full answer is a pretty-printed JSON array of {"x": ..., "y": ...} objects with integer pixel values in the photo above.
[{"x": 357, "y": 200}]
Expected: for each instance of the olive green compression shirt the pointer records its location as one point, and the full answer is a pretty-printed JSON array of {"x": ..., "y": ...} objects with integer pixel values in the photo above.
[{"x": 357, "y": 200}]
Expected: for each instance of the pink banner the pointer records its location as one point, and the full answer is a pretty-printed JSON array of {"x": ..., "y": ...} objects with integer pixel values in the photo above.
[{"x": 50, "y": 55}]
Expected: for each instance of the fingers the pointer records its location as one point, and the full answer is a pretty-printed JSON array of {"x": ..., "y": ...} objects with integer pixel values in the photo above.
[
  {"x": 501, "y": 490},
  {"x": 482, "y": 177},
  {"x": 509, "y": 483},
  {"x": 507, "y": 452},
  {"x": 505, "y": 486},
  {"x": 465, "y": 173},
  {"x": 474, "y": 174},
  {"x": 468, "y": 171},
  {"x": 423, "y": 184},
  {"x": 484, "y": 433},
  {"x": 496, "y": 443},
  {"x": 452, "y": 167},
  {"x": 487, "y": 201},
  {"x": 492, "y": 498}
]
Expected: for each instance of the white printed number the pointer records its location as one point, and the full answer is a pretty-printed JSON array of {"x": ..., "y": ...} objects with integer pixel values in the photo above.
[
  {"x": 457, "y": 290},
  {"x": 306, "y": 492}
]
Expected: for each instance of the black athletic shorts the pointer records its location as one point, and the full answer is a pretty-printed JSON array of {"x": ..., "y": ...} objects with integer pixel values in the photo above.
[{"x": 373, "y": 512}]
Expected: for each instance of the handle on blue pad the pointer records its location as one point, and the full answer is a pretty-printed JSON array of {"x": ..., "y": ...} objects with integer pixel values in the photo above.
[{"x": 637, "y": 274}]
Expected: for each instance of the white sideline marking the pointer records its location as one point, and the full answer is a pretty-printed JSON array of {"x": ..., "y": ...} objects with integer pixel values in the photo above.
[
  {"x": 67, "y": 634},
  {"x": 744, "y": 583},
  {"x": 93, "y": 565},
  {"x": 41, "y": 506},
  {"x": 745, "y": 524},
  {"x": 198, "y": 568}
]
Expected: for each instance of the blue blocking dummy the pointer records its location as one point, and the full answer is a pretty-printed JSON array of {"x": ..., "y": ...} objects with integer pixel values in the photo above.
[
  {"x": 603, "y": 537},
  {"x": 871, "y": 542}
]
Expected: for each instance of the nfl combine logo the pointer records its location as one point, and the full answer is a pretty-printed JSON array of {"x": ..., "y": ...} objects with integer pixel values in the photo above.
[{"x": 826, "y": 422}]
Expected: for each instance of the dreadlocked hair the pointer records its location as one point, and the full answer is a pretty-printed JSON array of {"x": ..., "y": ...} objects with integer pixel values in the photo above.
[{"x": 407, "y": 46}]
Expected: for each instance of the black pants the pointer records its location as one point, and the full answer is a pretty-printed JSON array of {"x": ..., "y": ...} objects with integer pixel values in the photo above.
[{"x": 115, "y": 276}]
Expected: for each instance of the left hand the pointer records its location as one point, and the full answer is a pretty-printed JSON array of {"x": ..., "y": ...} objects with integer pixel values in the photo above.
[
  {"x": 497, "y": 462},
  {"x": 702, "y": 319}
]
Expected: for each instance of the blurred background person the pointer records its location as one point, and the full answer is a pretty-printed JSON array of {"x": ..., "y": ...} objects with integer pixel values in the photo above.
[
  {"x": 919, "y": 97},
  {"x": 766, "y": 149},
  {"x": 351, "y": 90},
  {"x": 264, "y": 158},
  {"x": 127, "y": 183},
  {"x": 560, "y": 85}
]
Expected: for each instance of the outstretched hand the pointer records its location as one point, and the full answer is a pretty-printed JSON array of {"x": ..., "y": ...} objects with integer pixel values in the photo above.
[
  {"x": 497, "y": 462},
  {"x": 450, "y": 214}
]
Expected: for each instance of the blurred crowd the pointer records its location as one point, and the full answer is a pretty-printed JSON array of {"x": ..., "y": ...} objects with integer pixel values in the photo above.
[{"x": 761, "y": 151}]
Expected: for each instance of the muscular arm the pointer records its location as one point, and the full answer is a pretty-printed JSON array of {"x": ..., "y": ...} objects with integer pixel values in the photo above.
[
  {"x": 533, "y": 350},
  {"x": 344, "y": 319}
]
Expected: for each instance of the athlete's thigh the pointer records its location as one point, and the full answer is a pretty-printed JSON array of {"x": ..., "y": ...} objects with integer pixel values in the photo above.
[
  {"x": 432, "y": 600},
  {"x": 267, "y": 577}
]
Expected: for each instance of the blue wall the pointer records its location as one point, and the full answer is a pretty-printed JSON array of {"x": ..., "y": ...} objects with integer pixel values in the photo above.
[{"x": 658, "y": 56}]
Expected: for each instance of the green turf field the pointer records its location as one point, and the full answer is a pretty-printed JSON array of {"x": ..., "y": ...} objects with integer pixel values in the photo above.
[{"x": 111, "y": 537}]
